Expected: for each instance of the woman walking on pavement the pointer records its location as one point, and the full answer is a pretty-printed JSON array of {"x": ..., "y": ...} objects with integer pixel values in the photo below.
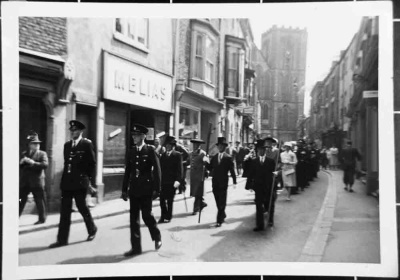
[
  {"x": 289, "y": 161},
  {"x": 333, "y": 162}
]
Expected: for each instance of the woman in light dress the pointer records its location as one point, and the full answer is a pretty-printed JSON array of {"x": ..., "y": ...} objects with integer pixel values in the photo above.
[
  {"x": 288, "y": 164},
  {"x": 333, "y": 161}
]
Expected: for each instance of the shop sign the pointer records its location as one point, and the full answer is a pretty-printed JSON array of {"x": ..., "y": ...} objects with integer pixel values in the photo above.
[{"x": 131, "y": 83}]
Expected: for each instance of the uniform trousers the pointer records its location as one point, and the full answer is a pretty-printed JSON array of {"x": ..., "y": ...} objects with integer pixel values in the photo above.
[
  {"x": 39, "y": 197},
  {"x": 66, "y": 210},
  {"x": 348, "y": 175},
  {"x": 220, "y": 192},
  {"x": 301, "y": 174},
  {"x": 198, "y": 202},
  {"x": 144, "y": 204},
  {"x": 167, "y": 201}
]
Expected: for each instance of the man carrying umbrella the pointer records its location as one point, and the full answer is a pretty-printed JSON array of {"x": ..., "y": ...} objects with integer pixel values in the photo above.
[{"x": 197, "y": 164}]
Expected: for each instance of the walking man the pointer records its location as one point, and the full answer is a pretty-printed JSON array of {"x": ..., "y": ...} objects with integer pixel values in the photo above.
[
  {"x": 197, "y": 174},
  {"x": 301, "y": 167},
  {"x": 33, "y": 163},
  {"x": 220, "y": 165},
  {"x": 171, "y": 169},
  {"x": 185, "y": 162},
  {"x": 261, "y": 175},
  {"x": 77, "y": 179},
  {"x": 142, "y": 182},
  {"x": 349, "y": 157}
]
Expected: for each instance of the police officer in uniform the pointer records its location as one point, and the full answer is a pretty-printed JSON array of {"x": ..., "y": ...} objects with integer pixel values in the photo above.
[
  {"x": 142, "y": 182},
  {"x": 301, "y": 167},
  {"x": 77, "y": 179}
]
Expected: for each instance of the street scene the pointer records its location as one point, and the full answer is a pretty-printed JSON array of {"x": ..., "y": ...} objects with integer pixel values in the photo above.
[{"x": 198, "y": 140}]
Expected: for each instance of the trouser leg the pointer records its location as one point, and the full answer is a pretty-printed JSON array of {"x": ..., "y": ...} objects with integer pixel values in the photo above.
[
  {"x": 38, "y": 195},
  {"x": 23, "y": 197},
  {"x": 170, "y": 205},
  {"x": 65, "y": 216},
  {"x": 80, "y": 200},
  {"x": 135, "y": 223},
  {"x": 163, "y": 206},
  {"x": 260, "y": 202},
  {"x": 148, "y": 218}
]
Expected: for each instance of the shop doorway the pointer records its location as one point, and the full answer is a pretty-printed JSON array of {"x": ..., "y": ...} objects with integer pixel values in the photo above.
[
  {"x": 32, "y": 116},
  {"x": 156, "y": 121},
  {"x": 87, "y": 115}
]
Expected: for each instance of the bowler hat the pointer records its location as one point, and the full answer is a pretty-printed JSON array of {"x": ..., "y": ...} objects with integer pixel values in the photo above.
[
  {"x": 74, "y": 124},
  {"x": 139, "y": 129},
  {"x": 197, "y": 141},
  {"x": 222, "y": 141},
  {"x": 33, "y": 137},
  {"x": 170, "y": 140},
  {"x": 260, "y": 143}
]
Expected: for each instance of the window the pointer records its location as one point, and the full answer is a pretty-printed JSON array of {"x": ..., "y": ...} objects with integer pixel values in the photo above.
[
  {"x": 264, "y": 112},
  {"x": 204, "y": 58},
  {"x": 233, "y": 70},
  {"x": 133, "y": 31}
]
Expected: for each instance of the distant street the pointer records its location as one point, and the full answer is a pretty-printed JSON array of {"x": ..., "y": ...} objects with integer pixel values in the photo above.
[{"x": 186, "y": 240}]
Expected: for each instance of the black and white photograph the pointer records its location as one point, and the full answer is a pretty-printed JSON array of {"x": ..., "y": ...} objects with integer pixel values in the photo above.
[{"x": 190, "y": 140}]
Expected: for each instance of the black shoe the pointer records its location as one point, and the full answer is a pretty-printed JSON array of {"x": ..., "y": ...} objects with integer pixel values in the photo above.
[
  {"x": 270, "y": 224},
  {"x": 92, "y": 235},
  {"x": 58, "y": 244},
  {"x": 258, "y": 229},
  {"x": 351, "y": 190},
  {"x": 161, "y": 221},
  {"x": 39, "y": 222},
  {"x": 218, "y": 224},
  {"x": 132, "y": 252},
  {"x": 158, "y": 244}
]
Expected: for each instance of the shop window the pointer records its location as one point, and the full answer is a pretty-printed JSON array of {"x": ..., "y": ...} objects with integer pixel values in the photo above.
[
  {"x": 204, "y": 58},
  {"x": 189, "y": 125},
  {"x": 133, "y": 31}
]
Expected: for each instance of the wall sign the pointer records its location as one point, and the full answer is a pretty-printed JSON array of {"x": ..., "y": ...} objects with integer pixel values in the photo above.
[{"x": 131, "y": 83}]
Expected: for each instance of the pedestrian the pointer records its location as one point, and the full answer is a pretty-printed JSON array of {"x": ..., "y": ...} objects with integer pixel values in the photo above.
[
  {"x": 77, "y": 180},
  {"x": 159, "y": 148},
  {"x": 314, "y": 152},
  {"x": 301, "y": 166},
  {"x": 221, "y": 164},
  {"x": 32, "y": 177},
  {"x": 288, "y": 162},
  {"x": 241, "y": 153},
  {"x": 334, "y": 162},
  {"x": 230, "y": 150},
  {"x": 247, "y": 166},
  {"x": 349, "y": 157},
  {"x": 142, "y": 183},
  {"x": 324, "y": 158},
  {"x": 197, "y": 174},
  {"x": 186, "y": 162},
  {"x": 171, "y": 170},
  {"x": 261, "y": 177}
]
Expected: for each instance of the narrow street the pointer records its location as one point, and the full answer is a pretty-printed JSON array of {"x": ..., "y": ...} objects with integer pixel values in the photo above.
[{"x": 184, "y": 239}]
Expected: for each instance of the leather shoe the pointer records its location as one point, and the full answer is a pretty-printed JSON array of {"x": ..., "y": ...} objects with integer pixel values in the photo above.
[
  {"x": 218, "y": 225},
  {"x": 58, "y": 244},
  {"x": 270, "y": 224},
  {"x": 132, "y": 252},
  {"x": 92, "y": 235},
  {"x": 258, "y": 229},
  {"x": 158, "y": 244},
  {"x": 161, "y": 220},
  {"x": 39, "y": 222}
]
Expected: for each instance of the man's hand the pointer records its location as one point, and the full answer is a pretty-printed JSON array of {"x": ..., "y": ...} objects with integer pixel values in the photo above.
[
  {"x": 124, "y": 196},
  {"x": 275, "y": 173},
  {"x": 206, "y": 159},
  {"x": 92, "y": 189},
  {"x": 176, "y": 184}
]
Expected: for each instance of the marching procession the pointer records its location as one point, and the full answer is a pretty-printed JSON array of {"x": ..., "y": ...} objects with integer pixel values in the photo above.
[{"x": 152, "y": 173}]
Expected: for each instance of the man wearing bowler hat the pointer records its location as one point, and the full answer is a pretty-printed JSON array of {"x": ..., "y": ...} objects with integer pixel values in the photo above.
[
  {"x": 32, "y": 164},
  {"x": 197, "y": 174},
  {"x": 77, "y": 179},
  {"x": 220, "y": 165},
  {"x": 171, "y": 169},
  {"x": 142, "y": 183},
  {"x": 261, "y": 176}
]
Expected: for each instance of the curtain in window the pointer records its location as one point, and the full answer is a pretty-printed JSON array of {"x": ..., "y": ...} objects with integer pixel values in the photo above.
[
  {"x": 233, "y": 70},
  {"x": 198, "y": 67},
  {"x": 209, "y": 60}
]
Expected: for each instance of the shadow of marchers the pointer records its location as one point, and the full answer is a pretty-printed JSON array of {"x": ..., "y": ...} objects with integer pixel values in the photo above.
[
  {"x": 242, "y": 202},
  {"x": 101, "y": 259},
  {"x": 127, "y": 226},
  {"x": 27, "y": 250}
]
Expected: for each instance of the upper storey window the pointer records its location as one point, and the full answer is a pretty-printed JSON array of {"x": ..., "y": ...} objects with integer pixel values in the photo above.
[{"x": 133, "y": 31}]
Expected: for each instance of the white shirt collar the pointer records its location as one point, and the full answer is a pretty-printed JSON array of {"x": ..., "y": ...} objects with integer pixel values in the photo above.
[
  {"x": 141, "y": 146},
  {"x": 76, "y": 141}
]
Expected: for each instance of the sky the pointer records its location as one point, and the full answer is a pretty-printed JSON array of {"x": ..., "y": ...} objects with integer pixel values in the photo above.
[{"x": 330, "y": 29}]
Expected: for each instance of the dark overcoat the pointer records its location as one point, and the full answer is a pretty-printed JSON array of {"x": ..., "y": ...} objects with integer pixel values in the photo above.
[
  {"x": 261, "y": 176},
  {"x": 33, "y": 176},
  {"x": 171, "y": 169},
  {"x": 219, "y": 171},
  {"x": 197, "y": 166}
]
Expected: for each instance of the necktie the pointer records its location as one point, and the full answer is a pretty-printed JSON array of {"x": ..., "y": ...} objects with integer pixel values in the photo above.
[
  {"x": 73, "y": 144},
  {"x": 262, "y": 159},
  {"x": 219, "y": 158}
]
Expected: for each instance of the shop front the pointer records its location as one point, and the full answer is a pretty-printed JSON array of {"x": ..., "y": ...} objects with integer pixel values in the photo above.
[{"x": 133, "y": 93}]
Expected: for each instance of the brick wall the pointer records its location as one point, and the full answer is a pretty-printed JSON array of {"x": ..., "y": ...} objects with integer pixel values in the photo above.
[
  {"x": 184, "y": 49},
  {"x": 46, "y": 35}
]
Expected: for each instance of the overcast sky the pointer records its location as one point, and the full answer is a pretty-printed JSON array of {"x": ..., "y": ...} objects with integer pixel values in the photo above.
[{"x": 330, "y": 29}]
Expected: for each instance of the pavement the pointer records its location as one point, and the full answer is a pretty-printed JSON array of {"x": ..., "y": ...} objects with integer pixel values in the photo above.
[{"x": 323, "y": 224}]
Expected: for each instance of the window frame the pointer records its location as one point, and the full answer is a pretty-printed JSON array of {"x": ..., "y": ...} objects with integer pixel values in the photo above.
[
  {"x": 204, "y": 57},
  {"x": 123, "y": 35}
]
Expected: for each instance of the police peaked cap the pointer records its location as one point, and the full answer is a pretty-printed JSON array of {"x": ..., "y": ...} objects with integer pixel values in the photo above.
[
  {"x": 170, "y": 140},
  {"x": 197, "y": 141},
  {"x": 273, "y": 140},
  {"x": 138, "y": 128},
  {"x": 74, "y": 124},
  {"x": 222, "y": 140}
]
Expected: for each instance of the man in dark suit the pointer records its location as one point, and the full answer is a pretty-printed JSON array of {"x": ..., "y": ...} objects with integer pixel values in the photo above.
[
  {"x": 302, "y": 155},
  {"x": 261, "y": 176},
  {"x": 185, "y": 162},
  {"x": 220, "y": 165},
  {"x": 171, "y": 169},
  {"x": 142, "y": 183},
  {"x": 348, "y": 158},
  {"x": 33, "y": 163},
  {"x": 77, "y": 179}
]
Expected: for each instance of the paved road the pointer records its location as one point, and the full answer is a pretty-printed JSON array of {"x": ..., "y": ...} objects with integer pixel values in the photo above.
[{"x": 186, "y": 240}]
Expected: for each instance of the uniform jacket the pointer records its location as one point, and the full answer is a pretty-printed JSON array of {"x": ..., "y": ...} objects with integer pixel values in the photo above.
[
  {"x": 171, "y": 168},
  {"x": 142, "y": 172},
  {"x": 79, "y": 165},
  {"x": 219, "y": 171},
  {"x": 33, "y": 175},
  {"x": 302, "y": 155},
  {"x": 261, "y": 176},
  {"x": 349, "y": 157},
  {"x": 197, "y": 166}
]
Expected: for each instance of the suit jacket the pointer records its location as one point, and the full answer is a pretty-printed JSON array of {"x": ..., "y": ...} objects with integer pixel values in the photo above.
[
  {"x": 33, "y": 175},
  {"x": 260, "y": 174},
  {"x": 79, "y": 165},
  {"x": 219, "y": 171},
  {"x": 349, "y": 157},
  {"x": 142, "y": 172}
]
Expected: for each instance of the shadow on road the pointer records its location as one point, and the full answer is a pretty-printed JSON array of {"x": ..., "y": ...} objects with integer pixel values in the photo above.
[
  {"x": 242, "y": 202},
  {"x": 27, "y": 250},
  {"x": 101, "y": 259}
]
